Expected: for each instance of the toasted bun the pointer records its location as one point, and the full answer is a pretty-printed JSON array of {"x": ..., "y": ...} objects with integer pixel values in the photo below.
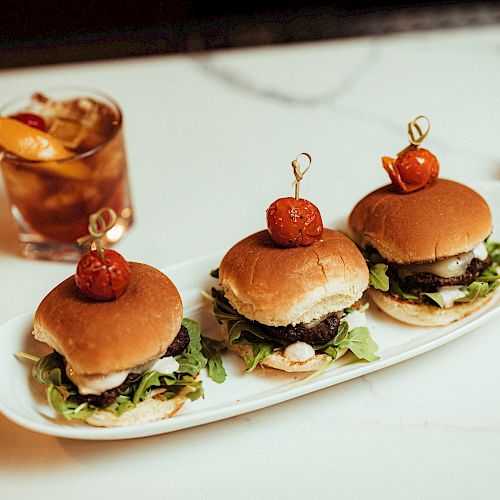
[
  {"x": 424, "y": 314},
  {"x": 280, "y": 286},
  {"x": 279, "y": 362},
  {"x": 439, "y": 221},
  {"x": 149, "y": 410},
  {"x": 103, "y": 337}
]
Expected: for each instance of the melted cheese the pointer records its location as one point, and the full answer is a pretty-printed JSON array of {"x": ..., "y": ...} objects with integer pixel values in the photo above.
[
  {"x": 447, "y": 268},
  {"x": 299, "y": 351}
]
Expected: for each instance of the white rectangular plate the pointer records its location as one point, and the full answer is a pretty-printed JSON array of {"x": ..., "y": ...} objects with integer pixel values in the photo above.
[{"x": 23, "y": 400}]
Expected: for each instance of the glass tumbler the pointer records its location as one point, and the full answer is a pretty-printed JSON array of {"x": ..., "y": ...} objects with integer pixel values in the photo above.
[{"x": 51, "y": 199}]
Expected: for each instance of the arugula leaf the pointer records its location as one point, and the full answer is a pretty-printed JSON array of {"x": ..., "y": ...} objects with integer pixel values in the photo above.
[
  {"x": 378, "y": 277},
  {"x": 333, "y": 352},
  {"x": 196, "y": 391},
  {"x": 360, "y": 343},
  {"x": 259, "y": 351},
  {"x": 342, "y": 333},
  {"x": 121, "y": 405},
  {"x": 474, "y": 291},
  {"x": 435, "y": 297},
  {"x": 56, "y": 399},
  {"x": 212, "y": 350},
  {"x": 148, "y": 380},
  {"x": 49, "y": 369},
  {"x": 191, "y": 361}
]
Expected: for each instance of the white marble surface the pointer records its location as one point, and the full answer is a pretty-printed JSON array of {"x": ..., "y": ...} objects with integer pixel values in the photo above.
[{"x": 210, "y": 138}]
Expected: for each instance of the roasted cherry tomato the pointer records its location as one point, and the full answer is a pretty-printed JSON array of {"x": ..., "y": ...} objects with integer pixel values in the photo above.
[
  {"x": 32, "y": 120},
  {"x": 411, "y": 170},
  {"x": 104, "y": 278},
  {"x": 293, "y": 223}
]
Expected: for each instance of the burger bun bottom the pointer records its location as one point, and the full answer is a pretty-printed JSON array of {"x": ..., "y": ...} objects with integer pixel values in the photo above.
[
  {"x": 151, "y": 409},
  {"x": 279, "y": 362},
  {"x": 414, "y": 313}
]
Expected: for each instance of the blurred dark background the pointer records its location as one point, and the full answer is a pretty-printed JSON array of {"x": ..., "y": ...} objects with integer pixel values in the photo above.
[{"x": 54, "y": 31}]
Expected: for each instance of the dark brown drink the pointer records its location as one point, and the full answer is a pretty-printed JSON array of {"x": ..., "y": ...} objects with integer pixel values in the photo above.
[{"x": 51, "y": 200}]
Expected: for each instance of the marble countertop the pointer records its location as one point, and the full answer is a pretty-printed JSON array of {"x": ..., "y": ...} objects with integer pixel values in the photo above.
[{"x": 210, "y": 138}]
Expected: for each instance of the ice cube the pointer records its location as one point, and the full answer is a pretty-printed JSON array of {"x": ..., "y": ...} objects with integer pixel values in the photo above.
[
  {"x": 67, "y": 197},
  {"x": 69, "y": 132},
  {"x": 81, "y": 124}
]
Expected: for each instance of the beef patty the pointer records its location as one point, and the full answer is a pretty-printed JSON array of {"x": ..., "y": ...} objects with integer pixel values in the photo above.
[
  {"x": 428, "y": 282},
  {"x": 180, "y": 343},
  {"x": 320, "y": 334}
]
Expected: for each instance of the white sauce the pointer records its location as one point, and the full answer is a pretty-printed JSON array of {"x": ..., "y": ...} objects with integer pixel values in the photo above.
[
  {"x": 450, "y": 294},
  {"x": 165, "y": 365},
  {"x": 96, "y": 384},
  {"x": 355, "y": 319},
  {"x": 480, "y": 252},
  {"x": 299, "y": 351}
]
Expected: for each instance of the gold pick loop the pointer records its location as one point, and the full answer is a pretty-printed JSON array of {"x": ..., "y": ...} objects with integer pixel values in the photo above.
[
  {"x": 299, "y": 175},
  {"x": 413, "y": 127},
  {"x": 98, "y": 227}
]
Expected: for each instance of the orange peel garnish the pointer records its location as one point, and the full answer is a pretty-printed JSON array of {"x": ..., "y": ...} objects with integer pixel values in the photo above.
[{"x": 30, "y": 143}]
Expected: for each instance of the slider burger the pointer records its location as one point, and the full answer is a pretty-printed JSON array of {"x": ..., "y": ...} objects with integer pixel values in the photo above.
[
  {"x": 288, "y": 296},
  {"x": 122, "y": 352},
  {"x": 425, "y": 242}
]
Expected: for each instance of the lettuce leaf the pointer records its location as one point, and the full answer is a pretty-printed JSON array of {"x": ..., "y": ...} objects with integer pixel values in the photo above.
[
  {"x": 378, "y": 277},
  {"x": 259, "y": 352},
  {"x": 50, "y": 370},
  {"x": 436, "y": 297},
  {"x": 191, "y": 361},
  {"x": 360, "y": 343},
  {"x": 474, "y": 291},
  {"x": 212, "y": 350},
  {"x": 152, "y": 380}
]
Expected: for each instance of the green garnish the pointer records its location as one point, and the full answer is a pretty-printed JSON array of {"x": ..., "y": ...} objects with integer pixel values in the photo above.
[
  {"x": 259, "y": 352},
  {"x": 242, "y": 331},
  {"x": 212, "y": 350},
  {"x": 436, "y": 297},
  {"x": 378, "y": 277}
]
